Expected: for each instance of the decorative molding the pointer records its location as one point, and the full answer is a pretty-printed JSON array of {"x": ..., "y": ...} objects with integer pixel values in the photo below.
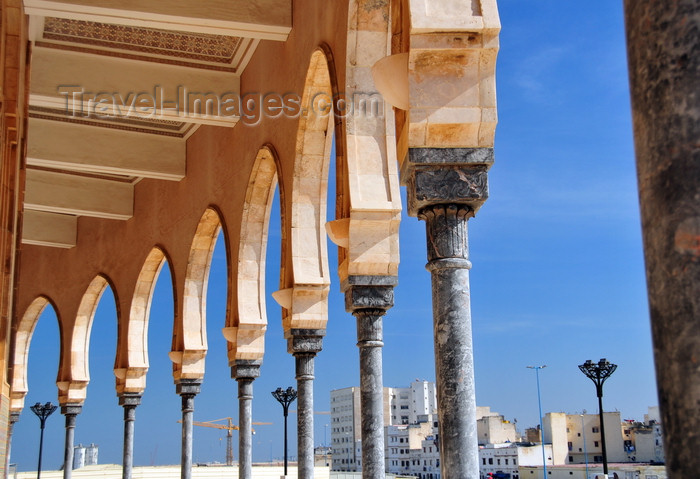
[{"x": 200, "y": 47}]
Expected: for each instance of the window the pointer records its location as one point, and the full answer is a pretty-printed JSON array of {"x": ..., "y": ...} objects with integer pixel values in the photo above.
[
  {"x": 506, "y": 461},
  {"x": 579, "y": 434},
  {"x": 483, "y": 460},
  {"x": 567, "y": 430},
  {"x": 491, "y": 460},
  {"x": 595, "y": 429},
  {"x": 571, "y": 458},
  {"x": 595, "y": 443},
  {"x": 571, "y": 446},
  {"x": 597, "y": 458},
  {"x": 498, "y": 461}
]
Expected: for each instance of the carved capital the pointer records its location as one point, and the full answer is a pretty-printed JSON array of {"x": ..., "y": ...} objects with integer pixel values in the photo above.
[
  {"x": 188, "y": 386},
  {"x": 129, "y": 399},
  {"x": 369, "y": 328},
  {"x": 246, "y": 369},
  {"x": 305, "y": 341},
  {"x": 446, "y": 231},
  {"x": 304, "y": 366},
  {"x": 14, "y": 416},
  {"x": 446, "y": 175},
  {"x": 71, "y": 409},
  {"x": 363, "y": 297}
]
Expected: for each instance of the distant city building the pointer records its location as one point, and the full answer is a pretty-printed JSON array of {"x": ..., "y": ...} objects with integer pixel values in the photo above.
[
  {"x": 493, "y": 428},
  {"x": 578, "y": 471},
  {"x": 506, "y": 458},
  {"x": 411, "y": 449},
  {"x": 643, "y": 441}
]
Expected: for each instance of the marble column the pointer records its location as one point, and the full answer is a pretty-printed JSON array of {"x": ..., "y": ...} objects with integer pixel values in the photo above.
[
  {"x": 663, "y": 50},
  {"x": 245, "y": 372},
  {"x": 14, "y": 417},
  {"x": 129, "y": 401},
  {"x": 368, "y": 298},
  {"x": 445, "y": 187},
  {"x": 70, "y": 411},
  {"x": 187, "y": 389},
  {"x": 304, "y": 344}
]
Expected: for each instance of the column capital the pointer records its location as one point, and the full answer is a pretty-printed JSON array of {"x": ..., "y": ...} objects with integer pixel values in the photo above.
[
  {"x": 188, "y": 386},
  {"x": 305, "y": 341},
  {"x": 14, "y": 416},
  {"x": 446, "y": 175},
  {"x": 246, "y": 369},
  {"x": 130, "y": 399},
  {"x": 71, "y": 409},
  {"x": 369, "y": 292}
]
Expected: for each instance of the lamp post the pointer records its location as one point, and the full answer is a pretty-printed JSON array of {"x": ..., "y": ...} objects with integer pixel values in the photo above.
[
  {"x": 585, "y": 452},
  {"x": 539, "y": 402},
  {"x": 43, "y": 411},
  {"x": 285, "y": 397},
  {"x": 598, "y": 373}
]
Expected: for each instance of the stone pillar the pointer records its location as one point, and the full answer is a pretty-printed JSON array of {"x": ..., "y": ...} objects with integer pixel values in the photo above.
[
  {"x": 245, "y": 372},
  {"x": 129, "y": 401},
  {"x": 445, "y": 186},
  {"x": 664, "y": 68},
  {"x": 187, "y": 389},
  {"x": 304, "y": 344},
  {"x": 368, "y": 298},
  {"x": 14, "y": 417},
  {"x": 70, "y": 411}
]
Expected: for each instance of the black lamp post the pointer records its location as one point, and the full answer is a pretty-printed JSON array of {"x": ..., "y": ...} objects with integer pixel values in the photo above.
[
  {"x": 598, "y": 373},
  {"x": 42, "y": 412},
  {"x": 285, "y": 398}
]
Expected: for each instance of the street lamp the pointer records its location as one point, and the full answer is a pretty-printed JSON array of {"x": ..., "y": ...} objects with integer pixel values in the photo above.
[
  {"x": 42, "y": 412},
  {"x": 285, "y": 397},
  {"x": 598, "y": 373},
  {"x": 539, "y": 402}
]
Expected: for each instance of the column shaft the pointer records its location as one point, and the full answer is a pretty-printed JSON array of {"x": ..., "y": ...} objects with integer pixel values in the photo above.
[
  {"x": 369, "y": 335},
  {"x": 70, "y": 411},
  {"x": 305, "y": 414},
  {"x": 245, "y": 425},
  {"x": 187, "y": 389},
  {"x": 244, "y": 371},
  {"x": 14, "y": 417},
  {"x": 304, "y": 344},
  {"x": 446, "y": 228},
  {"x": 664, "y": 68},
  {"x": 129, "y": 401},
  {"x": 368, "y": 297},
  {"x": 186, "y": 451},
  {"x": 128, "y": 458}
]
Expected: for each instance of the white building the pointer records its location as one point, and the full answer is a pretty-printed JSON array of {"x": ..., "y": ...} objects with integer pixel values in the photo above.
[
  {"x": 402, "y": 406},
  {"x": 408, "y": 446},
  {"x": 508, "y": 457},
  {"x": 345, "y": 429}
]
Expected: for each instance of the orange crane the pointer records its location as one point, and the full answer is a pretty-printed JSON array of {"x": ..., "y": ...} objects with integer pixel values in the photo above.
[{"x": 229, "y": 427}]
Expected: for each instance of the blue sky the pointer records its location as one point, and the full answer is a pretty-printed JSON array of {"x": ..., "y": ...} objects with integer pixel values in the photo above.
[{"x": 558, "y": 273}]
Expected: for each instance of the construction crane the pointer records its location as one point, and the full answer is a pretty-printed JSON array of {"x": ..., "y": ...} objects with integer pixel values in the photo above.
[{"x": 229, "y": 427}]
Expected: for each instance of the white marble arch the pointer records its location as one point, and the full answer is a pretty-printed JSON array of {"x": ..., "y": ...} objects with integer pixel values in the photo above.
[
  {"x": 305, "y": 301},
  {"x": 19, "y": 386},
  {"x": 374, "y": 201},
  {"x": 245, "y": 330},
  {"x": 74, "y": 369},
  {"x": 132, "y": 364},
  {"x": 190, "y": 333}
]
